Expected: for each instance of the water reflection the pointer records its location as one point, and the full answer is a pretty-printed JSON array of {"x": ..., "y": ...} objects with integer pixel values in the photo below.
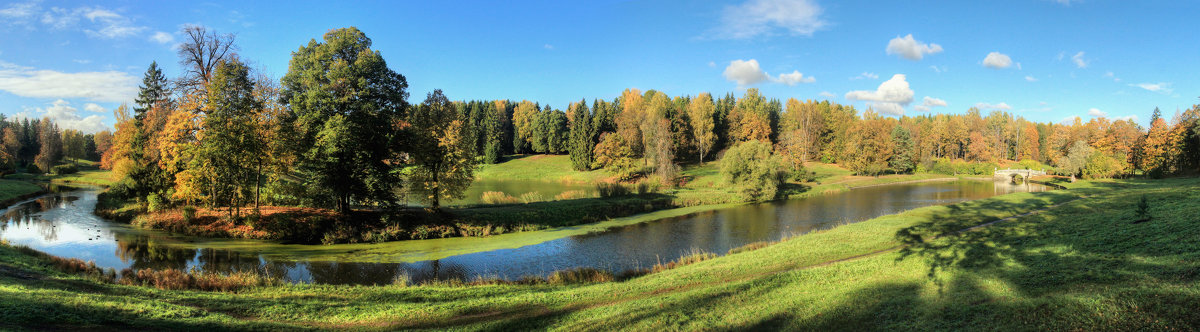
[{"x": 63, "y": 225}]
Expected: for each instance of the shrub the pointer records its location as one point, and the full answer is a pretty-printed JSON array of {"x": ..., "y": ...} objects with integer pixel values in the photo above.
[
  {"x": 64, "y": 169},
  {"x": 189, "y": 214},
  {"x": 1143, "y": 209},
  {"x": 155, "y": 203},
  {"x": 33, "y": 169},
  {"x": 498, "y": 197},
  {"x": 644, "y": 188},
  {"x": 1103, "y": 165},
  {"x": 607, "y": 190},
  {"x": 750, "y": 167}
]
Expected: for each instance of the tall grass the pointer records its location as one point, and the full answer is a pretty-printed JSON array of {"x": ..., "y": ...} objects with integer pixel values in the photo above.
[{"x": 498, "y": 197}]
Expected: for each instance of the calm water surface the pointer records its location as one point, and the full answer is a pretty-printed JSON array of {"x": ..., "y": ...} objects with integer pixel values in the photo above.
[{"x": 62, "y": 224}]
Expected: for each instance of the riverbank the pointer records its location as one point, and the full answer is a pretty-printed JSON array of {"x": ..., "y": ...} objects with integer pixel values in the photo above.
[
  {"x": 702, "y": 190},
  {"x": 1077, "y": 266}
]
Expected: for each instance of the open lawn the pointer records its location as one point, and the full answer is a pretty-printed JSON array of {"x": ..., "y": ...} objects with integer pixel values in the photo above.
[
  {"x": 555, "y": 168},
  {"x": 1078, "y": 263}
]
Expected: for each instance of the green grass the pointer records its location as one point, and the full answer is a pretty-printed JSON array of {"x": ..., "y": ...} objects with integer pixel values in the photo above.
[
  {"x": 556, "y": 168},
  {"x": 1080, "y": 265},
  {"x": 11, "y": 190},
  {"x": 89, "y": 174}
]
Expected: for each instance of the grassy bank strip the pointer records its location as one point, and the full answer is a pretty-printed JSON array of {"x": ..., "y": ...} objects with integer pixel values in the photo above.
[{"x": 781, "y": 286}]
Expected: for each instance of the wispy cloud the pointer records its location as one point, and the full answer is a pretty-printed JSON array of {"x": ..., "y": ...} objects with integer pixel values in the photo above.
[
  {"x": 865, "y": 75},
  {"x": 1161, "y": 87},
  {"x": 756, "y": 18}
]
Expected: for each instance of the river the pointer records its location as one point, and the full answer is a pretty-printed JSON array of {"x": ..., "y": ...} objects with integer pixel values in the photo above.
[{"x": 62, "y": 224}]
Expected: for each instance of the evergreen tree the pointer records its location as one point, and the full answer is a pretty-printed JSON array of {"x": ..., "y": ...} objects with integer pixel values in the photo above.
[
  {"x": 904, "y": 151},
  {"x": 583, "y": 137}
]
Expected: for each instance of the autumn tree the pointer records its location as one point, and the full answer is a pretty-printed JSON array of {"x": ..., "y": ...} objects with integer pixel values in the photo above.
[
  {"x": 524, "y": 119},
  {"x": 751, "y": 118},
  {"x": 616, "y": 155},
  {"x": 629, "y": 120},
  {"x": 701, "y": 112},
  {"x": 347, "y": 103},
  {"x": 869, "y": 145},
  {"x": 440, "y": 150}
]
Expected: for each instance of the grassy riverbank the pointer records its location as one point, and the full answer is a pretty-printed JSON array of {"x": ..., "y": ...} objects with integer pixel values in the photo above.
[
  {"x": 1080, "y": 265},
  {"x": 701, "y": 186}
]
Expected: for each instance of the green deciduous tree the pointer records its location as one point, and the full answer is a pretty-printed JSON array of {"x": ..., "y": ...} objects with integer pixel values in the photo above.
[
  {"x": 229, "y": 147},
  {"x": 347, "y": 104},
  {"x": 750, "y": 167},
  {"x": 441, "y": 151}
]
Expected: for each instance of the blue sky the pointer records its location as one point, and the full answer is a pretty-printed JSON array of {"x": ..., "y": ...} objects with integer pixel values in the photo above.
[{"x": 75, "y": 61}]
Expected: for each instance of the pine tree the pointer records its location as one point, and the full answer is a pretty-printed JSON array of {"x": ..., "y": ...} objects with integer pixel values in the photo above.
[{"x": 583, "y": 137}]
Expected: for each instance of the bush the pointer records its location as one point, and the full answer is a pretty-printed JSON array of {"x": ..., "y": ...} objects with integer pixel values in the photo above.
[
  {"x": 498, "y": 197},
  {"x": 33, "y": 169},
  {"x": 607, "y": 190},
  {"x": 1103, "y": 165},
  {"x": 155, "y": 203},
  {"x": 189, "y": 214},
  {"x": 64, "y": 169},
  {"x": 750, "y": 167}
]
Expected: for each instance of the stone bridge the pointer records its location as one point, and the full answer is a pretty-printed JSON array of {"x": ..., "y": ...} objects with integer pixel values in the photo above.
[{"x": 1011, "y": 174}]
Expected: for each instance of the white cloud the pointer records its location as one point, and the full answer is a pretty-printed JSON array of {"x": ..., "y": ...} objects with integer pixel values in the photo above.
[
  {"x": 1126, "y": 118},
  {"x": 92, "y": 107},
  {"x": 891, "y": 96},
  {"x": 106, "y": 86},
  {"x": 910, "y": 48},
  {"x": 997, "y": 60},
  {"x": 745, "y": 72},
  {"x": 67, "y": 117},
  {"x": 712, "y": 64},
  {"x": 1066, "y": 2},
  {"x": 865, "y": 75},
  {"x": 1078, "y": 60},
  {"x": 1096, "y": 113},
  {"x": 1030, "y": 78},
  {"x": 986, "y": 106},
  {"x": 162, "y": 37},
  {"x": 938, "y": 70},
  {"x": 748, "y": 72},
  {"x": 929, "y": 103},
  {"x": 827, "y": 94},
  {"x": 548, "y": 46},
  {"x": 794, "y": 77},
  {"x": 762, "y": 17},
  {"x": 1163, "y": 88}
]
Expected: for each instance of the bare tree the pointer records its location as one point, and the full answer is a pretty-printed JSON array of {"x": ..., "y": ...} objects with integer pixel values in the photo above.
[{"x": 200, "y": 54}]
